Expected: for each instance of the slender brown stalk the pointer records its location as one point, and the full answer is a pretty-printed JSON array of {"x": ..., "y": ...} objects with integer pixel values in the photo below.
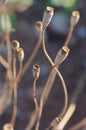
[
  {"x": 36, "y": 73},
  {"x": 35, "y": 112},
  {"x": 7, "y": 38},
  {"x": 44, "y": 49},
  {"x": 2, "y": 42},
  {"x": 69, "y": 36},
  {"x": 57, "y": 71},
  {"x": 14, "y": 90},
  {"x": 49, "y": 84},
  {"x": 72, "y": 106},
  {"x": 73, "y": 21},
  {"x": 19, "y": 73},
  {"x": 31, "y": 58},
  {"x": 3, "y": 62},
  {"x": 14, "y": 105},
  {"x": 34, "y": 95}
]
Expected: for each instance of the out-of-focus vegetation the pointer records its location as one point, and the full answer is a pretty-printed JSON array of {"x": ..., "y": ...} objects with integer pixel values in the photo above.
[
  {"x": 63, "y": 3},
  {"x": 67, "y": 5},
  {"x": 13, "y": 5},
  {"x": 26, "y": 2}
]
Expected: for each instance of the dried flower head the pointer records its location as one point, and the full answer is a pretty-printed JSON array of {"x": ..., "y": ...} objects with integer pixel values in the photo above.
[
  {"x": 36, "y": 71},
  {"x": 74, "y": 18},
  {"x": 15, "y": 44},
  {"x": 8, "y": 126},
  {"x": 61, "y": 55},
  {"x": 20, "y": 53},
  {"x": 39, "y": 25},
  {"x": 48, "y": 14}
]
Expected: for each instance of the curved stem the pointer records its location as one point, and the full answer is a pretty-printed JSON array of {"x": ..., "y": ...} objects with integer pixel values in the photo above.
[
  {"x": 69, "y": 36},
  {"x": 14, "y": 90},
  {"x": 3, "y": 62},
  {"x": 59, "y": 74},
  {"x": 14, "y": 105},
  {"x": 72, "y": 106},
  {"x": 49, "y": 84},
  {"x": 7, "y": 38},
  {"x": 30, "y": 59},
  {"x": 44, "y": 49},
  {"x": 19, "y": 73},
  {"x": 35, "y": 112}
]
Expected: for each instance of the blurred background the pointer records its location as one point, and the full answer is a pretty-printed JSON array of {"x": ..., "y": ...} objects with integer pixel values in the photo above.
[{"x": 23, "y": 15}]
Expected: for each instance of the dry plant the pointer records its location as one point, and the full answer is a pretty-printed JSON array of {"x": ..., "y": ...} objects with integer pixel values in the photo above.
[{"x": 13, "y": 77}]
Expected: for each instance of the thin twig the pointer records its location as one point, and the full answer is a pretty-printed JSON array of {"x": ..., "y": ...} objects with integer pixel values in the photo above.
[
  {"x": 14, "y": 90},
  {"x": 31, "y": 58},
  {"x": 58, "y": 73},
  {"x": 4, "y": 63},
  {"x": 69, "y": 36},
  {"x": 49, "y": 84},
  {"x": 72, "y": 106},
  {"x": 35, "y": 112},
  {"x": 19, "y": 73}
]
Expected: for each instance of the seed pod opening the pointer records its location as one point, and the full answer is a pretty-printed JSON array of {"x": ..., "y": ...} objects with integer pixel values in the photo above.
[
  {"x": 48, "y": 14},
  {"x": 20, "y": 53},
  {"x": 61, "y": 55},
  {"x": 15, "y": 44},
  {"x": 36, "y": 71},
  {"x": 39, "y": 25},
  {"x": 8, "y": 126},
  {"x": 74, "y": 18}
]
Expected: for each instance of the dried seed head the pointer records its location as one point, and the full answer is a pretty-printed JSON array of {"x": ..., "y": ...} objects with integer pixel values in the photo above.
[
  {"x": 61, "y": 55},
  {"x": 39, "y": 25},
  {"x": 48, "y": 14},
  {"x": 20, "y": 53},
  {"x": 15, "y": 44},
  {"x": 74, "y": 18},
  {"x": 36, "y": 71},
  {"x": 65, "y": 49},
  {"x": 8, "y": 126}
]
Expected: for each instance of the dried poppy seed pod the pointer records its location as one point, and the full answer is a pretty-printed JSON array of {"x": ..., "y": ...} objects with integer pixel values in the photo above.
[
  {"x": 61, "y": 55},
  {"x": 15, "y": 44},
  {"x": 36, "y": 71},
  {"x": 39, "y": 25},
  {"x": 74, "y": 18},
  {"x": 8, "y": 126},
  {"x": 48, "y": 14},
  {"x": 20, "y": 53}
]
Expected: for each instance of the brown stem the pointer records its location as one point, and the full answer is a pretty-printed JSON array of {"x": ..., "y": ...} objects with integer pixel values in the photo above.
[
  {"x": 72, "y": 106},
  {"x": 14, "y": 105},
  {"x": 35, "y": 112},
  {"x": 69, "y": 36},
  {"x": 14, "y": 90},
  {"x": 19, "y": 73},
  {"x": 31, "y": 58},
  {"x": 49, "y": 84},
  {"x": 3, "y": 62}
]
